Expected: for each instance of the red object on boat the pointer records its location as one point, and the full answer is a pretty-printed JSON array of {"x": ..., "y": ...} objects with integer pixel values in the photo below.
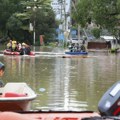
[
  {"x": 7, "y": 52},
  {"x": 11, "y": 94},
  {"x": 32, "y": 53}
]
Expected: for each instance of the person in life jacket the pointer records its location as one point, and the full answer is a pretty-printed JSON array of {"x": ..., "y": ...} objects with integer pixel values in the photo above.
[
  {"x": 14, "y": 45},
  {"x": 25, "y": 50},
  {"x": 9, "y": 45}
]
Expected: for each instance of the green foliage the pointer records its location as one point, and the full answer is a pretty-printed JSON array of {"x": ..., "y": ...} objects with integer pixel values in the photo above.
[
  {"x": 96, "y": 32},
  {"x": 44, "y": 24},
  {"x": 7, "y": 8},
  {"x": 104, "y": 13},
  {"x": 17, "y": 28},
  {"x": 14, "y": 23},
  {"x": 107, "y": 15},
  {"x": 15, "y": 19},
  {"x": 82, "y": 12},
  {"x": 114, "y": 50}
]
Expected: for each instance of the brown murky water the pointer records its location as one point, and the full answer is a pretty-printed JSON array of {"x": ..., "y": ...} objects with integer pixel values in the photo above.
[{"x": 64, "y": 83}]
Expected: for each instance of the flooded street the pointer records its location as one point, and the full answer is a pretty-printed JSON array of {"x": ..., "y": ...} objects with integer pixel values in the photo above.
[{"x": 64, "y": 83}]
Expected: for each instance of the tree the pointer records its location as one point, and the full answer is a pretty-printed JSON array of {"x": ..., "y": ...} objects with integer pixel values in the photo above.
[
  {"x": 18, "y": 29},
  {"x": 41, "y": 16},
  {"x": 104, "y": 13},
  {"x": 45, "y": 24},
  {"x": 7, "y": 8},
  {"x": 15, "y": 19},
  {"x": 82, "y": 12}
]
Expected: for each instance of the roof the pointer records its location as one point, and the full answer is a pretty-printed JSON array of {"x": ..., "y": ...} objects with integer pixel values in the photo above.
[{"x": 107, "y": 38}]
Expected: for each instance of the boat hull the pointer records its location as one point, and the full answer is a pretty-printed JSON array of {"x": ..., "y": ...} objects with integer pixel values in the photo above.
[
  {"x": 16, "y": 53},
  {"x": 51, "y": 115},
  {"x": 10, "y": 53},
  {"x": 76, "y": 53},
  {"x": 76, "y": 56},
  {"x": 15, "y": 106},
  {"x": 61, "y": 115}
]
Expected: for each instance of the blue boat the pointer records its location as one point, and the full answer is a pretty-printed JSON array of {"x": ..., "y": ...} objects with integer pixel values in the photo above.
[{"x": 77, "y": 53}]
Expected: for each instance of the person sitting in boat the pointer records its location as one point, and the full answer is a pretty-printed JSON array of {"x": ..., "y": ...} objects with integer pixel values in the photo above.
[
  {"x": 72, "y": 49},
  {"x": 9, "y": 45},
  {"x": 2, "y": 69},
  {"x": 14, "y": 46},
  {"x": 25, "y": 50},
  {"x": 77, "y": 47},
  {"x": 19, "y": 47},
  {"x": 28, "y": 50},
  {"x": 83, "y": 49}
]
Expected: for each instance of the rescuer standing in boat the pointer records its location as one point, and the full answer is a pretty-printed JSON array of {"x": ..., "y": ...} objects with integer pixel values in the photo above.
[{"x": 2, "y": 69}]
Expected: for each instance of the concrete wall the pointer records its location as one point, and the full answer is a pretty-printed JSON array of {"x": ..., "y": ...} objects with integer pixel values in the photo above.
[{"x": 97, "y": 45}]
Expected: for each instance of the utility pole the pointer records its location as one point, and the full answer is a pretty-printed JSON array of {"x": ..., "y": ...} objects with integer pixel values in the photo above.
[
  {"x": 73, "y": 4},
  {"x": 34, "y": 20},
  {"x": 63, "y": 18},
  {"x": 64, "y": 4}
]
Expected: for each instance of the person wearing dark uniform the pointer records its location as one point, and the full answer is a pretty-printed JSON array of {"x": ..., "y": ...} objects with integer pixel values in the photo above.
[{"x": 2, "y": 69}]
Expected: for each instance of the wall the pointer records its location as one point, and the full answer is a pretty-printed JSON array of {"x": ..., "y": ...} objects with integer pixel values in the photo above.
[{"x": 98, "y": 45}]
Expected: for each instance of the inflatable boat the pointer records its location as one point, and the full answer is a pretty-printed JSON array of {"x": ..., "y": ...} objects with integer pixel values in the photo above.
[
  {"x": 7, "y": 52},
  {"x": 109, "y": 109}
]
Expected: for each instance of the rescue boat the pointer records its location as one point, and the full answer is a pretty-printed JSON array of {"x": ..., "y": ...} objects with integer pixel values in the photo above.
[
  {"x": 16, "y": 97},
  {"x": 76, "y": 53},
  {"x": 108, "y": 110},
  {"x": 7, "y": 52},
  {"x": 48, "y": 115}
]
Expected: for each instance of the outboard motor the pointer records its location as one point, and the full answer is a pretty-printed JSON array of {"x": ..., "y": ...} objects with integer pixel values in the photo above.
[{"x": 109, "y": 105}]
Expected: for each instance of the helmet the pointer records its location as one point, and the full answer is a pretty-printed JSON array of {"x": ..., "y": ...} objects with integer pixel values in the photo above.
[
  {"x": 2, "y": 66},
  {"x": 23, "y": 44}
]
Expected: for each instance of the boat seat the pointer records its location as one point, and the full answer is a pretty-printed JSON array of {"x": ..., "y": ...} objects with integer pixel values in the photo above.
[
  {"x": 18, "y": 88},
  {"x": 13, "y": 94}
]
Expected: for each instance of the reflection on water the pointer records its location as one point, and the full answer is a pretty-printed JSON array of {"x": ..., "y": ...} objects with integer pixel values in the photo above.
[{"x": 68, "y": 83}]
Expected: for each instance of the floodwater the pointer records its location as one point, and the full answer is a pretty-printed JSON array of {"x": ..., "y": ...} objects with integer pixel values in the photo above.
[{"x": 64, "y": 83}]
